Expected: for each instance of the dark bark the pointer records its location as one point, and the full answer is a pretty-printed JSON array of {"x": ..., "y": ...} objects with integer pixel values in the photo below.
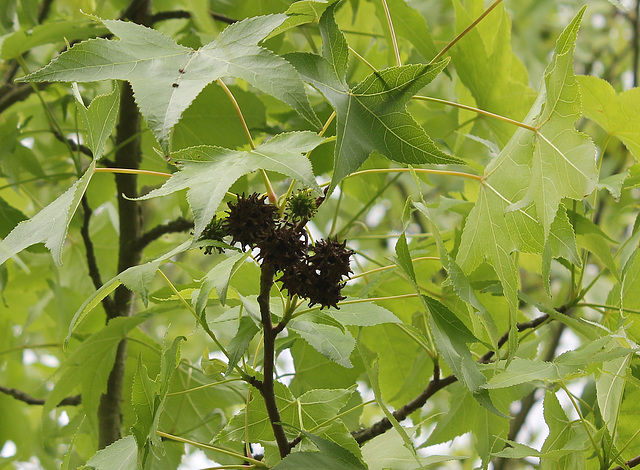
[
  {"x": 74, "y": 400},
  {"x": 267, "y": 389},
  {"x": 436, "y": 384},
  {"x": 128, "y": 155},
  {"x": 92, "y": 262},
  {"x": 179, "y": 225}
]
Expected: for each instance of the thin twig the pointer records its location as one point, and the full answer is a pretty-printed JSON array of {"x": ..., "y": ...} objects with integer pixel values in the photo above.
[
  {"x": 463, "y": 33},
  {"x": 476, "y": 110},
  {"x": 74, "y": 400},
  {"x": 178, "y": 225},
  {"x": 92, "y": 262},
  {"x": 392, "y": 32},
  {"x": 436, "y": 384},
  {"x": 634, "y": 462},
  {"x": 267, "y": 390}
]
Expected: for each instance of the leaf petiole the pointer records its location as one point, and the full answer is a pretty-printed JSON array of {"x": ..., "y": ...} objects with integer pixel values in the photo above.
[
  {"x": 417, "y": 170},
  {"x": 131, "y": 172},
  {"x": 394, "y": 39},
  {"x": 477, "y": 110},
  {"x": 222, "y": 450}
]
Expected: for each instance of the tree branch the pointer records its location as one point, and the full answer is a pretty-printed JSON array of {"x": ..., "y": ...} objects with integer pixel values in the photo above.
[
  {"x": 183, "y": 14},
  {"x": 179, "y": 225},
  {"x": 634, "y": 462},
  {"x": 267, "y": 390},
  {"x": 92, "y": 263},
  {"x": 72, "y": 144},
  {"x": 363, "y": 435},
  {"x": 74, "y": 400}
]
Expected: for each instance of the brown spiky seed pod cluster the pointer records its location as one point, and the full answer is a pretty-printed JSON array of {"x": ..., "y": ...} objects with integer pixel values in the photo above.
[{"x": 317, "y": 272}]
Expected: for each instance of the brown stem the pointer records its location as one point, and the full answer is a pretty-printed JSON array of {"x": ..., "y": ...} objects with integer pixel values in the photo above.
[
  {"x": 267, "y": 390},
  {"x": 634, "y": 462},
  {"x": 183, "y": 14},
  {"x": 92, "y": 263},
  {"x": 74, "y": 400},
  {"x": 179, "y": 225},
  {"x": 363, "y": 435}
]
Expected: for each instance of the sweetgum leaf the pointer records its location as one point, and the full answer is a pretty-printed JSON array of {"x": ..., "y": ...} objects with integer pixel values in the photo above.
[
  {"x": 166, "y": 77},
  {"x": 208, "y": 171},
  {"x": 522, "y": 188},
  {"x": 372, "y": 115}
]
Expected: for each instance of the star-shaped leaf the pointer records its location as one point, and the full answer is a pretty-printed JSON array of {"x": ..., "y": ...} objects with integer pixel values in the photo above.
[
  {"x": 522, "y": 188},
  {"x": 209, "y": 171},
  {"x": 372, "y": 115},
  {"x": 166, "y": 77}
]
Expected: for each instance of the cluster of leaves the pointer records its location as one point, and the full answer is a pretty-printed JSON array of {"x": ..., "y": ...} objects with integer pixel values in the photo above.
[{"x": 524, "y": 244}]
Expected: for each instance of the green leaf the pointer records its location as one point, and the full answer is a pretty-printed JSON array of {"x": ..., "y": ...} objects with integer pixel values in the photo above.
[
  {"x": 592, "y": 238},
  {"x": 618, "y": 114},
  {"x": 387, "y": 451},
  {"x": 166, "y": 77},
  {"x": 208, "y": 172},
  {"x": 553, "y": 163},
  {"x": 99, "y": 118},
  {"x": 302, "y": 12},
  {"x": 136, "y": 278},
  {"x": 89, "y": 366},
  {"x": 59, "y": 31},
  {"x": 370, "y": 116},
  {"x": 562, "y": 433},
  {"x": 121, "y": 455},
  {"x": 148, "y": 397},
  {"x": 404, "y": 258},
  {"x": 487, "y": 66},
  {"x": 522, "y": 371},
  {"x": 331, "y": 456},
  {"x": 451, "y": 337},
  {"x": 50, "y": 225},
  {"x": 9, "y": 217},
  {"x": 314, "y": 408},
  {"x": 561, "y": 244},
  {"x": 213, "y": 120},
  {"x": 610, "y": 384},
  {"x": 219, "y": 277},
  {"x": 247, "y": 329},
  {"x": 408, "y": 24},
  {"x": 362, "y": 314},
  {"x": 329, "y": 341}
]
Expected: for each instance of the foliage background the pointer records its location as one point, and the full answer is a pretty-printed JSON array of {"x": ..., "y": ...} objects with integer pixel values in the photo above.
[{"x": 498, "y": 67}]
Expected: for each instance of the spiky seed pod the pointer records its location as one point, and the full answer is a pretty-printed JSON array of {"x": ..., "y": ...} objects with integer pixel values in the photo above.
[
  {"x": 298, "y": 279},
  {"x": 213, "y": 231},
  {"x": 282, "y": 246},
  {"x": 250, "y": 219},
  {"x": 301, "y": 205},
  {"x": 327, "y": 294},
  {"x": 331, "y": 259}
]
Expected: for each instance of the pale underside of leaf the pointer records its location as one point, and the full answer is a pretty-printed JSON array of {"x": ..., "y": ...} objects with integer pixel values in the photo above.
[
  {"x": 208, "y": 172},
  {"x": 167, "y": 77}
]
